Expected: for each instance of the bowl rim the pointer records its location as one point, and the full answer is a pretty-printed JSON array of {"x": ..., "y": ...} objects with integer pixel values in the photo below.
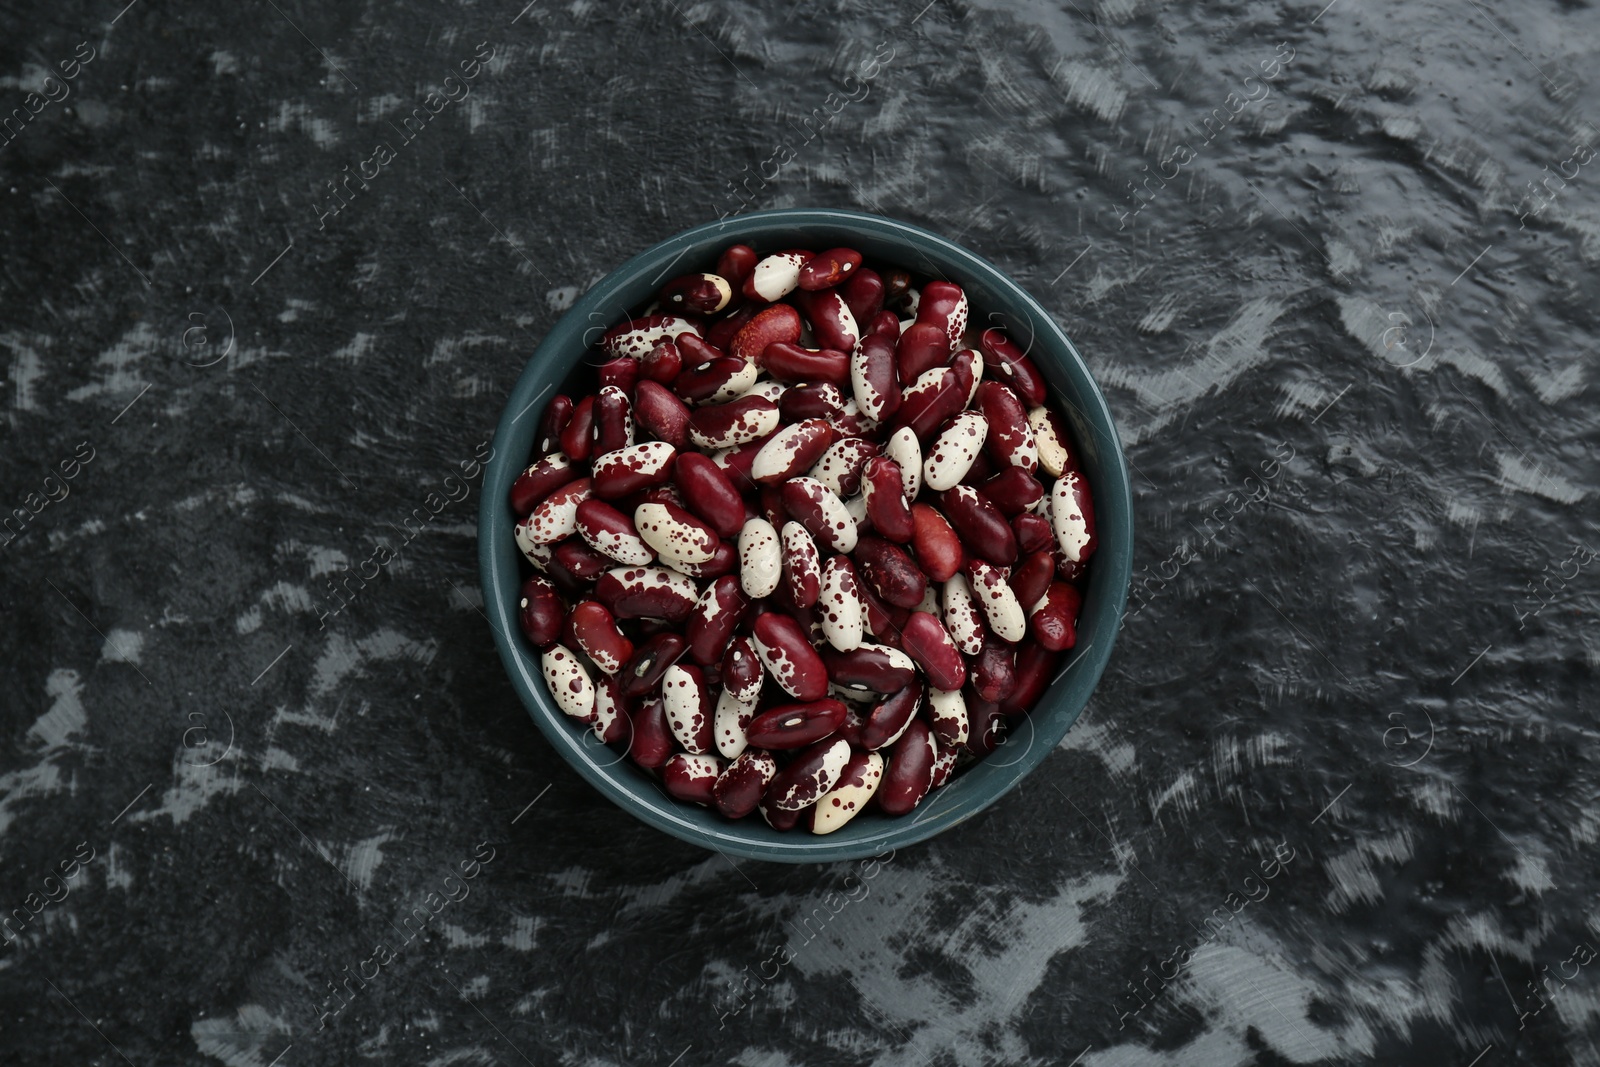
[{"x": 1109, "y": 578}]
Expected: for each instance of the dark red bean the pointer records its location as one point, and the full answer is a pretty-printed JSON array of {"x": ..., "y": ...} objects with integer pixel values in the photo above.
[
  {"x": 1035, "y": 669},
  {"x": 889, "y": 718},
  {"x": 662, "y": 363},
  {"x": 776, "y": 817},
  {"x": 581, "y": 561},
  {"x": 622, "y": 373},
  {"x": 790, "y": 363},
  {"x": 577, "y": 439},
  {"x": 1033, "y": 533},
  {"x": 709, "y": 493},
  {"x": 886, "y": 501},
  {"x": 613, "y": 419},
  {"x": 809, "y": 775},
  {"x": 863, "y": 294},
  {"x": 827, "y": 269},
  {"x": 647, "y": 592},
  {"x": 642, "y": 673},
  {"x": 722, "y": 332},
  {"x": 629, "y": 470},
  {"x": 738, "y": 790},
  {"x": 699, "y": 382},
  {"x": 874, "y": 377},
  {"x": 594, "y": 631},
  {"x": 920, "y": 349},
  {"x": 1010, "y": 441},
  {"x": 790, "y": 726},
  {"x": 890, "y": 571},
  {"x": 885, "y": 324},
  {"x": 736, "y": 263},
  {"x": 715, "y": 617},
  {"x": 987, "y": 728},
  {"x": 1031, "y": 578},
  {"x": 691, "y": 778},
  {"x": 831, "y": 321},
  {"x": 662, "y": 413},
  {"x": 882, "y": 670},
  {"x": 925, "y": 640},
  {"x": 1013, "y": 491},
  {"x": 557, "y": 414},
  {"x": 994, "y": 673},
  {"x": 909, "y": 775},
  {"x": 539, "y": 612},
  {"x": 536, "y": 483},
  {"x": 925, "y": 410},
  {"x": 786, "y": 652},
  {"x": 652, "y": 737},
  {"x": 896, "y": 287},
  {"x": 1010, "y": 366},
  {"x": 696, "y": 294},
  {"x": 817, "y": 400},
  {"x": 983, "y": 530},
  {"x": 1055, "y": 621},
  {"x": 938, "y": 549}
]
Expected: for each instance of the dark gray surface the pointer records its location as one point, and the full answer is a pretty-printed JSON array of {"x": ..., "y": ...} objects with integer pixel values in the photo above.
[{"x": 1354, "y": 666}]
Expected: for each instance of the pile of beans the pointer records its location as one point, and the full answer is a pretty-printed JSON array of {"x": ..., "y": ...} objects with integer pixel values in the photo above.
[{"x": 809, "y": 544}]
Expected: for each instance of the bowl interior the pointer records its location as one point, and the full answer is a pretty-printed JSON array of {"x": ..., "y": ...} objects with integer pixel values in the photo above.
[{"x": 995, "y": 300}]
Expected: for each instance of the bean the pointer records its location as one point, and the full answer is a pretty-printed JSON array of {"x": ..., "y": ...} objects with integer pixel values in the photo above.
[
  {"x": 1011, "y": 366},
  {"x": 577, "y": 562},
  {"x": 944, "y": 304},
  {"x": 628, "y": 470},
  {"x": 816, "y": 507},
  {"x": 698, "y": 294},
  {"x": 661, "y": 364},
  {"x": 790, "y": 726},
  {"x": 736, "y": 263},
  {"x": 864, "y": 294},
  {"x": 675, "y": 535},
  {"x": 642, "y": 673},
  {"x": 809, "y": 775},
  {"x": 760, "y": 559},
  {"x": 790, "y": 451},
  {"x": 890, "y": 572},
  {"x": 962, "y": 619},
  {"x": 987, "y": 729},
  {"x": 802, "y": 570},
  {"x": 954, "y": 451},
  {"x": 742, "y": 673},
  {"x": 732, "y": 722},
  {"x": 921, "y": 348},
  {"x": 647, "y": 592},
  {"x": 1033, "y": 532},
  {"x": 983, "y": 530},
  {"x": 724, "y": 560},
  {"x": 858, "y": 783},
  {"x": 691, "y": 777},
  {"x": 816, "y": 400},
  {"x": 1034, "y": 670},
  {"x": 1001, "y": 608},
  {"x": 715, "y": 617},
  {"x": 1030, "y": 578},
  {"x": 839, "y": 605},
  {"x": 637, "y": 336},
  {"x": 688, "y": 706},
  {"x": 926, "y": 641},
  {"x": 790, "y": 363},
  {"x": 662, "y": 413},
  {"x": 568, "y": 683},
  {"x": 874, "y": 378},
  {"x": 889, "y": 718},
  {"x": 827, "y": 269},
  {"x": 611, "y": 533},
  {"x": 612, "y": 720},
  {"x": 993, "y": 671},
  {"x": 787, "y": 654},
  {"x": 879, "y": 668},
  {"x": 738, "y": 789},
  {"x": 556, "y": 517},
  {"x": 621, "y": 373},
  {"x": 778, "y": 323},
  {"x": 1010, "y": 442},
  {"x": 840, "y": 466},
  {"x": 944, "y": 765},
  {"x": 733, "y": 423},
  {"x": 709, "y": 493},
  {"x": 577, "y": 438},
  {"x": 613, "y": 419},
  {"x": 715, "y": 381},
  {"x": 594, "y": 631},
  {"x": 935, "y": 397},
  {"x": 1072, "y": 516},
  {"x": 883, "y": 487},
  {"x": 947, "y": 718},
  {"x": 910, "y": 772},
  {"x": 539, "y": 612},
  {"x": 556, "y": 416},
  {"x": 775, "y": 276},
  {"x": 832, "y": 322},
  {"x": 652, "y": 737},
  {"x": 541, "y": 479},
  {"x": 1054, "y": 619}
]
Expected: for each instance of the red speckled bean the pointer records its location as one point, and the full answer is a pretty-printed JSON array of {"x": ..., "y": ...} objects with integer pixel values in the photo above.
[
  {"x": 738, "y": 790},
  {"x": 647, "y": 592},
  {"x": 594, "y": 631},
  {"x": 857, "y": 785},
  {"x": 983, "y": 530},
  {"x": 556, "y": 416},
  {"x": 878, "y": 668},
  {"x": 874, "y": 377},
  {"x": 954, "y": 452},
  {"x": 947, "y": 718},
  {"x": 809, "y": 775},
  {"x": 642, "y": 674},
  {"x": 613, "y": 420},
  {"x": 577, "y": 438},
  {"x": 827, "y": 269},
  {"x": 689, "y": 707},
  {"x": 775, "y": 817},
  {"x": 676, "y": 536},
  {"x": 1010, "y": 442},
  {"x": 839, "y": 607},
  {"x": 628, "y": 470},
  {"x": 1054, "y": 620},
  {"x": 742, "y": 672},
  {"x": 697, "y": 294},
  {"x": 790, "y": 726},
  {"x": 715, "y": 381},
  {"x": 1001, "y": 610},
  {"x": 944, "y": 304},
  {"x": 579, "y": 562},
  {"x": 816, "y": 507},
  {"x": 936, "y": 396},
  {"x": 790, "y": 451},
  {"x": 840, "y": 466},
  {"x": 921, "y": 348},
  {"x": 613, "y": 721},
  {"x": 787, "y": 654},
  {"x": 776, "y": 276},
  {"x": 724, "y": 560},
  {"x": 637, "y": 336},
  {"x": 890, "y": 572},
  {"x": 773, "y": 325},
  {"x": 1072, "y": 515},
  {"x": 1009, "y": 365},
  {"x": 690, "y": 777},
  {"x": 944, "y": 766},
  {"x": 962, "y": 618},
  {"x": 541, "y": 479},
  {"x": 716, "y": 615},
  {"x": 556, "y": 516},
  {"x": 831, "y": 321},
  {"x": 926, "y": 641},
  {"x": 662, "y": 413},
  {"x": 802, "y": 568},
  {"x": 726, "y": 425},
  {"x": 1034, "y": 670},
  {"x": 539, "y": 612},
  {"x": 910, "y": 772},
  {"x": 817, "y": 400},
  {"x": 889, "y": 718},
  {"x": 882, "y": 487}
]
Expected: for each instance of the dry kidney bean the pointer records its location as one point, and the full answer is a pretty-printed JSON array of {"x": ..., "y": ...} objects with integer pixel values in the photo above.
[
  {"x": 943, "y": 514},
  {"x": 795, "y": 725},
  {"x": 539, "y": 612},
  {"x": 691, "y": 777},
  {"x": 738, "y": 789},
  {"x": 910, "y": 772}
]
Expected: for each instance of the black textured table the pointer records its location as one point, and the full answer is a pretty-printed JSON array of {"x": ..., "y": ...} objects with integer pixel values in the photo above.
[{"x": 270, "y": 269}]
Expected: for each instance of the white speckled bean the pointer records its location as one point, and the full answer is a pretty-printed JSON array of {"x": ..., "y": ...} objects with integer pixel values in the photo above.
[
  {"x": 569, "y": 682},
  {"x": 760, "y": 558}
]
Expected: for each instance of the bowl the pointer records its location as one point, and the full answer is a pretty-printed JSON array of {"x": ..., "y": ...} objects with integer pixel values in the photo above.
[{"x": 991, "y": 294}]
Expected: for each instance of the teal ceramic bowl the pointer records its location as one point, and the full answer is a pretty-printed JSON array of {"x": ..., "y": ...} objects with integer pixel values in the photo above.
[{"x": 996, "y": 300}]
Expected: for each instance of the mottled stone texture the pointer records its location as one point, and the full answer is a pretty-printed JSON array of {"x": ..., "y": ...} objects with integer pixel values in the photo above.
[{"x": 1335, "y": 270}]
